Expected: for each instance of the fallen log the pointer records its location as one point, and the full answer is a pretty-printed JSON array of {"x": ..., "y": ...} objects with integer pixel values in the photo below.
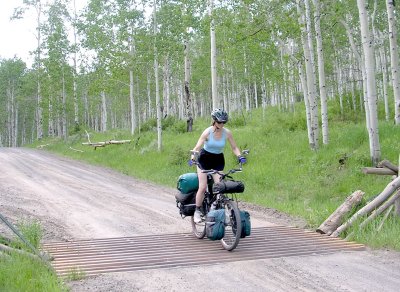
[
  {"x": 385, "y": 217},
  {"x": 336, "y": 218},
  {"x": 397, "y": 207},
  {"x": 379, "y": 171},
  {"x": 105, "y": 143},
  {"x": 389, "y": 165},
  {"x": 377, "y": 212},
  {"x": 386, "y": 193}
]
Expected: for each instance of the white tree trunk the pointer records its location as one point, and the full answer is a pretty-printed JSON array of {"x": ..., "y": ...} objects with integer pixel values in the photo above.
[
  {"x": 214, "y": 85},
  {"x": 394, "y": 58},
  {"x": 149, "y": 103},
  {"x": 103, "y": 112},
  {"x": 166, "y": 88},
  {"x": 188, "y": 100},
  {"x": 64, "y": 110},
  {"x": 76, "y": 108},
  {"x": 368, "y": 48},
  {"x": 158, "y": 102},
  {"x": 321, "y": 74},
  {"x": 384, "y": 81},
  {"x": 132, "y": 102},
  {"x": 131, "y": 89},
  {"x": 311, "y": 94}
]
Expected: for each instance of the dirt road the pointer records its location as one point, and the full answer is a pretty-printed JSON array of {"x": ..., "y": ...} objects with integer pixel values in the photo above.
[{"x": 73, "y": 200}]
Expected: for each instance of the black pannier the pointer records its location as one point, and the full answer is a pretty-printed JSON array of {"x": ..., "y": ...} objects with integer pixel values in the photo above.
[
  {"x": 186, "y": 203},
  {"x": 229, "y": 186}
]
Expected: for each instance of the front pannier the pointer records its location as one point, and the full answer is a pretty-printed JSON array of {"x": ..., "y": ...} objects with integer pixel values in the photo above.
[
  {"x": 229, "y": 186},
  {"x": 188, "y": 182},
  {"x": 215, "y": 224},
  {"x": 246, "y": 224}
]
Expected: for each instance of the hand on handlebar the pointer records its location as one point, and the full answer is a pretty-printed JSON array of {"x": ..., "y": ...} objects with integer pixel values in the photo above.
[
  {"x": 241, "y": 159},
  {"x": 191, "y": 162}
]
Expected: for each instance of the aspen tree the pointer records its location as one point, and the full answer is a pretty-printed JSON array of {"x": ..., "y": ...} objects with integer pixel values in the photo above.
[
  {"x": 394, "y": 58},
  {"x": 368, "y": 49}
]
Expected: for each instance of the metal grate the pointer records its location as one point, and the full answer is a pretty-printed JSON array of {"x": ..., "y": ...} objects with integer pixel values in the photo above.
[{"x": 97, "y": 256}]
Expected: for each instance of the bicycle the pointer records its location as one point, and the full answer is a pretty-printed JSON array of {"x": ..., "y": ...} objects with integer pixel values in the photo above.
[{"x": 221, "y": 196}]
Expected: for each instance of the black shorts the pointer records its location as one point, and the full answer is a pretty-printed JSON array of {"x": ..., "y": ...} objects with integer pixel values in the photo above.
[{"x": 209, "y": 160}]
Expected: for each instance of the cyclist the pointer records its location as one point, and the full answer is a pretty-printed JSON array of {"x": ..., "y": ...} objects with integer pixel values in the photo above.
[{"x": 210, "y": 147}]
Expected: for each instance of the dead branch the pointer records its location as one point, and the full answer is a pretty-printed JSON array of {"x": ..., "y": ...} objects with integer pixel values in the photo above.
[
  {"x": 103, "y": 144},
  {"x": 336, "y": 218},
  {"x": 386, "y": 193},
  {"x": 77, "y": 150},
  {"x": 379, "y": 171},
  {"x": 42, "y": 146}
]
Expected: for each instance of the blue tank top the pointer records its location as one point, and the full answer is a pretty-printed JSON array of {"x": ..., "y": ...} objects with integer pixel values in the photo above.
[{"x": 215, "y": 146}]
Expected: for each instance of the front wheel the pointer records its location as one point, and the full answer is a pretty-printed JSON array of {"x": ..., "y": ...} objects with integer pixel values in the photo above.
[
  {"x": 233, "y": 226},
  {"x": 198, "y": 229}
]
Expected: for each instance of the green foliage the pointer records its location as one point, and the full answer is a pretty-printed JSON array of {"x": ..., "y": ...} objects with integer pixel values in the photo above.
[
  {"x": 19, "y": 272},
  {"x": 32, "y": 231}
]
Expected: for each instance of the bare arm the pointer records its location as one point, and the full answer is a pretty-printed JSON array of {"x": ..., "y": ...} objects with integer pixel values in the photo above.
[
  {"x": 200, "y": 142},
  {"x": 235, "y": 148}
]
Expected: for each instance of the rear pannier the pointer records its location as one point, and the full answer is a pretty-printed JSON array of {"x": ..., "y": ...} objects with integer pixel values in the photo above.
[
  {"x": 186, "y": 203},
  {"x": 229, "y": 186}
]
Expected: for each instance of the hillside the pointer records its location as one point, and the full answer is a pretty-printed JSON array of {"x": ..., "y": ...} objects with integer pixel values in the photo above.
[{"x": 282, "y": 172}]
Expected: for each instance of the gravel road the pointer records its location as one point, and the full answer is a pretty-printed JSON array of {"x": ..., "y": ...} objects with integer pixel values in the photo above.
[{"x": 73, "y": 200}]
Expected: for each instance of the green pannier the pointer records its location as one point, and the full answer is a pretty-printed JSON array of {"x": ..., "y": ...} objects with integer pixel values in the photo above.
[
  {"x": 246, "y": 224},
  {"x": 215, "y": 224},
  {"x": 187, "y": 183}
]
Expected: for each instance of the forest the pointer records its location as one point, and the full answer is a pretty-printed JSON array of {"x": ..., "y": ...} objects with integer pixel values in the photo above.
[{"x": 118, "y": 64}]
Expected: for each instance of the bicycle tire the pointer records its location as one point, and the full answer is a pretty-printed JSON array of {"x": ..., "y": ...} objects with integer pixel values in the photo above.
[
  {"x": 198, "y": 229},
  {"x": 233, "y": 226}
]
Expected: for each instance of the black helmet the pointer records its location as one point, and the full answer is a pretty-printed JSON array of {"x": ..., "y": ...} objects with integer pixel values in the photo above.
[{"x": 219, "y": 115}]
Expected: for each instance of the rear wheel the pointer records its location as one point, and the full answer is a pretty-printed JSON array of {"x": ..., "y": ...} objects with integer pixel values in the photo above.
[
  {"x": 233, "y": 226},
  {"x": 199, "y": 229}
]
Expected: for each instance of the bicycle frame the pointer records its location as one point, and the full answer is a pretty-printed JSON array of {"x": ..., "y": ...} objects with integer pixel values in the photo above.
[{"x": 220, "y": 200}]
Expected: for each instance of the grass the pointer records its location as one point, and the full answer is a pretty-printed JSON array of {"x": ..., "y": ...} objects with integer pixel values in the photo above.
[{"x": 19, "y": 272}]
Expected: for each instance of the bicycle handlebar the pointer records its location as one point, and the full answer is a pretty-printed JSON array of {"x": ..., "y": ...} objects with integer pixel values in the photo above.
[{"x": 195, "y": 154}]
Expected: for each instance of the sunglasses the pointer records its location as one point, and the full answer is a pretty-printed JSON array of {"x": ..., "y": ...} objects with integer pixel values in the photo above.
[{"x": 220, "y": 122}]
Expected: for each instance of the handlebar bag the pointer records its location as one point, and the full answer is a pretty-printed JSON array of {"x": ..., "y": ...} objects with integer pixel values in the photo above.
[
  {"x": 215, "y": 224},
  {"x": 188, "y": 182},
  {"x": 228, "y": 186}
]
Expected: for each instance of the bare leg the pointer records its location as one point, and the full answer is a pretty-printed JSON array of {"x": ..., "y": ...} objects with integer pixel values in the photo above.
[{"x": 202, "y": 187}]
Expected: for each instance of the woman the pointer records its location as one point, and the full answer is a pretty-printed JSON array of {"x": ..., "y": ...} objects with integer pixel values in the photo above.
[{"x": 211, "y": 156}]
